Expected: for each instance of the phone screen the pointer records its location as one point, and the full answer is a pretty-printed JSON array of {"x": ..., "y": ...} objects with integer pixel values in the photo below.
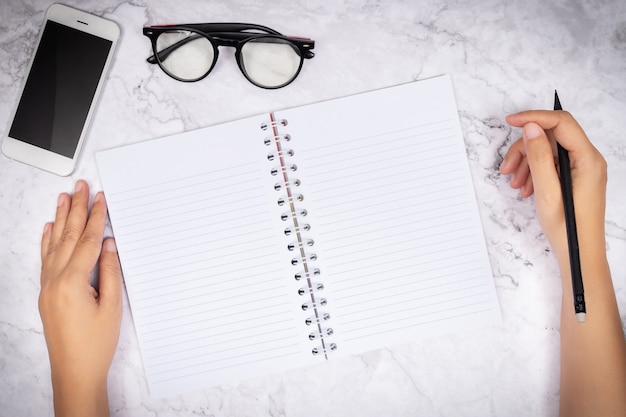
[{"x": 60, "y": 88}]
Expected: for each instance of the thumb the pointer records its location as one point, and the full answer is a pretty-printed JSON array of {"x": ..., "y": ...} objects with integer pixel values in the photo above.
[
  {"x": 542, "y": 165},
  {"x": 110, "y": 289}
]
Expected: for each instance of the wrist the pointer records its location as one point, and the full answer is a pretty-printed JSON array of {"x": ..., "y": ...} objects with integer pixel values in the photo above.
[
  {"x": 594, "y": 267},
  {"x": 591, "y": 251},
  {"x": 80, "y": 395}
]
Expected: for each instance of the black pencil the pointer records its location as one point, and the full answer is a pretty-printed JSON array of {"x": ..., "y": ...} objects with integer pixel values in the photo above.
[{"x": 570, "y": 226}]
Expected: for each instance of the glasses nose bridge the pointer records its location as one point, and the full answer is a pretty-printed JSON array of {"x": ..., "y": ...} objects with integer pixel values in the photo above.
[{"x": 223, "y": 41}]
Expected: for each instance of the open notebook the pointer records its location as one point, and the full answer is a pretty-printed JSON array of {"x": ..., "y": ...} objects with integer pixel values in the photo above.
[{"x": 286, "y": 239}]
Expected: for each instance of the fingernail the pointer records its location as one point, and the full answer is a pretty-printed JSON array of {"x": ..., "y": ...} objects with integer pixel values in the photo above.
[
  {"x": 60, "y": 200},
  {"x": 109, "y": 245},
  {"x": 79, "y": 186},
  {"x": 532, "y": 131},
  {"x": 98, "y": 197},
  {"x": 47, "y": 228}
]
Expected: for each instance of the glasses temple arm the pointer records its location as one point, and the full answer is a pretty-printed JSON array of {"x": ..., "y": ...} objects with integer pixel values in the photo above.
[{"x": 231, "y": 27}]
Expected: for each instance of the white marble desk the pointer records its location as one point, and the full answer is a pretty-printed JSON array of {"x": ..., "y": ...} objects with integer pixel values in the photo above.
[{"x": 504, "y": 56}]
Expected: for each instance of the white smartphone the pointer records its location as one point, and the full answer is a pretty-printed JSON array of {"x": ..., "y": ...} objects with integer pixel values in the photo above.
[{"x": 65, "y": 76}]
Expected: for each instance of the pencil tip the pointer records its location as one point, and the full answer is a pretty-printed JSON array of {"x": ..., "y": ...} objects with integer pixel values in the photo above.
[{"x": 557, "y": 102}]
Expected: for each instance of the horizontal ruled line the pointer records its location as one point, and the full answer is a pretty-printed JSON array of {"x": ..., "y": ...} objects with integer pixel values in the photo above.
[
  {"x": 188, "y": 306},
  {"x": 172, "y": 241},
  {"x": 263, "y": 250},
  {"x": 180, "y": 287},
  {"x": 465, "y": 313},
  {"x": 195, "y": 219},
  {"x": 218, "y": 325},
  {"x": 213, "y": 266},
  {"x": 457, "y": 235},
  {"x": 368, "y": 164},
  {"x": 207, "y": 346},
  {"x": 278, "y": 297},
  {"x": 232, "y": 365},
  {"x": 168, "y": 209},
  {"x": 197, "y": 313},
  {"x": 162, "y": 259},
  {"x": 196, "y": 295},
  {"x": 212, "y": 352},
  {"x": 414, "y": 255},
  {"x": 331, "y": 149},
  {"x": 409, "y": 174},
  {"x": 214, "y": 318},
  {"x": 414, "y": 306},
  {"x": 160, "y": 185},
  {"x": 209, "y": 275},
  {"x": 397, "y": 302},
  {"x": 164, "y": 196},
  {"x": 352, "y": 293},
  {"x": 403, "y": 260}
]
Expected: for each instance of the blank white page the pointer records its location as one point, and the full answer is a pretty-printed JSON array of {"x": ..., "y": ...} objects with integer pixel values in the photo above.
[
  {"x": 394, "y": 216},
  {"x": 201, "y": 258}
]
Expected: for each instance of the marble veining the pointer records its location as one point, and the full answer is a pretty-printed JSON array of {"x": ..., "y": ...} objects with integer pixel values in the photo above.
[{"x": 503, "y": 56}]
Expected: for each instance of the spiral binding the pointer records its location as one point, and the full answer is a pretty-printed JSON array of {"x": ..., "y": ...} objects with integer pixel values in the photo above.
[{"x": 300, "y": 245}]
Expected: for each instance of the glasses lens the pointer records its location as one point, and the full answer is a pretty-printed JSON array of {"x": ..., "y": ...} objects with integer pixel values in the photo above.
[
  {"x": 270, "y": 62},
  {"x": 186, "y": 55}
]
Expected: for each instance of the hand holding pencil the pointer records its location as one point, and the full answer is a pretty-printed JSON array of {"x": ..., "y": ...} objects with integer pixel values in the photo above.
[
  {"x": 593, "y": 354},
  {"x": 532, "y": 161}
]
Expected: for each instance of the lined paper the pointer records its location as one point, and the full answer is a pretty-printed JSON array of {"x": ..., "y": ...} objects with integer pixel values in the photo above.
[
  {"x": 192, "y": 276},
  {"x": 394, "y": 221},
  {"x": 202, "y": 263},
  {"x": 392, "y": 207},
  {"x": 413, "y": 253}
]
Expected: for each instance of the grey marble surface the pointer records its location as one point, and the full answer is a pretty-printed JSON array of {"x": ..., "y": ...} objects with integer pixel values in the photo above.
[{"x": 504, "y": 56}]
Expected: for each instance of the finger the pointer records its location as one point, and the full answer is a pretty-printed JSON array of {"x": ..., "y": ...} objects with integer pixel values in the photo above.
[
  {"x": 110, "y": 277},
  {"x": 45, "y": 242},
  {"x": 540, "y": 158},
  {"x": 89, "y": 245},
  {"x": 45, "y": 239},
  {"x": 566, "y": 129},
  {"x": 76, "y": 220},
  {"x": 521, "y": 174},
  {"x": 63, "y": 208},
  {"x": 515, "y": 163},
  {"x": 512, "y": 158},
  {"x": 527, "y": 188}
]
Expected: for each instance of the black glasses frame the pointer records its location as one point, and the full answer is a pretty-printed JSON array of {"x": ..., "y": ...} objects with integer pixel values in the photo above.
[{"x": 226, "y": 34}]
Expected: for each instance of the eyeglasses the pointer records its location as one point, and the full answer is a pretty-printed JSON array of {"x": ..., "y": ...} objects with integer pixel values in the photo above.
[{"x": 265, "y": 57}]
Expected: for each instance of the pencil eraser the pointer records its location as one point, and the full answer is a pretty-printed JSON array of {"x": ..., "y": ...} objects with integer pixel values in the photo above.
[{"x": 581, "y": 317}]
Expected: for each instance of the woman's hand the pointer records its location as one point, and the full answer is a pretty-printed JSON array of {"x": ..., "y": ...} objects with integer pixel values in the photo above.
[
  {"x": 593, "y": 354},
  {"x": 532, "y": 161},
  {"x": 81, "y": 324}
]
